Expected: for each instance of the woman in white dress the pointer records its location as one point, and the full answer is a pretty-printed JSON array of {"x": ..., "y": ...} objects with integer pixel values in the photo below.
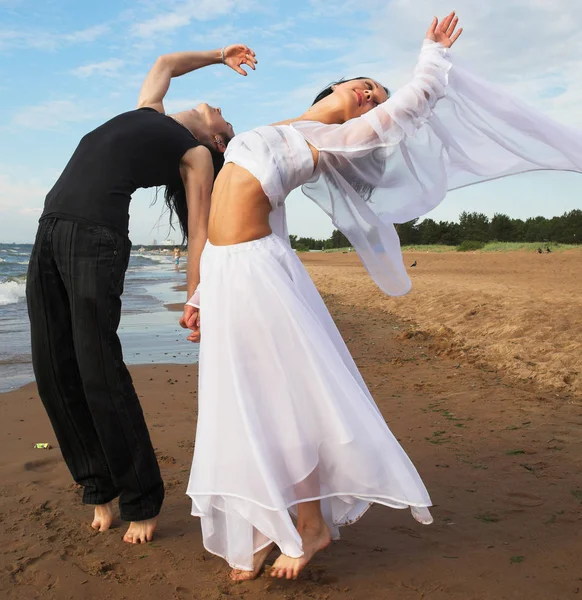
[{"x": 287, "y": 428}]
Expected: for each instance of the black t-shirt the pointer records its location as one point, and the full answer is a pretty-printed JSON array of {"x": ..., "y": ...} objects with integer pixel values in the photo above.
[{"x": 137, "y": 149}]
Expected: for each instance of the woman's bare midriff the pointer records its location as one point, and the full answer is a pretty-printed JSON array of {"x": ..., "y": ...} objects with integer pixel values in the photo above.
[{"x": 239, "y": 211}]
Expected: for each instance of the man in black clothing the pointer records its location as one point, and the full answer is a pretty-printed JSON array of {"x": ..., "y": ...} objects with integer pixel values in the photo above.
[{"x": 76, "y": 274}]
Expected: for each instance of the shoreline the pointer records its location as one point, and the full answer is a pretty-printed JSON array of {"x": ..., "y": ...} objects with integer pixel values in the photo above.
[{"x": 148, "y": 332}]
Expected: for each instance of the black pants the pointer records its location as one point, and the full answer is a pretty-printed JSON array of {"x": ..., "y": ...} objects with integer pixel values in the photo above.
[{"x": 74, "y": 286}]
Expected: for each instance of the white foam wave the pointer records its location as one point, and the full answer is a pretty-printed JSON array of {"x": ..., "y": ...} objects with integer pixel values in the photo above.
[
  {"x": 11, "y": 292},
  {"x": 163, "y": 258}
]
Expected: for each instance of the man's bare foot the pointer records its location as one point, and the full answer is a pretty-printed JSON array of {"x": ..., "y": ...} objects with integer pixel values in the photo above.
[
  {"x": 259, "y": 559},
  {"x": 103, "y": 517},
  {"x": 314, "y": 539},
  {"x": 141, "y": 532}
]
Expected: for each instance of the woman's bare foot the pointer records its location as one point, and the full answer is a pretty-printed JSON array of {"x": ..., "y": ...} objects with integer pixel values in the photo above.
[
  {"x": 314, "y": 538},
  {"x": 259, "y": 559},
  {"x": 141, "y": 532},
  {"x": 103, "y": 517}
]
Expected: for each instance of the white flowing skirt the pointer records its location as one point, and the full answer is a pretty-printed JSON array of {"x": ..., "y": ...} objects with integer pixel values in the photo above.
[{"x": 284, "y": 415}]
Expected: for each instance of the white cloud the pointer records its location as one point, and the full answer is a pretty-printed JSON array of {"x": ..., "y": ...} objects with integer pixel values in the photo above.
[
  {"x": 321, "y": 43},
  {"x": 38, "y": 40},
  {"x": 106, "y": 68},
  {"x": 321, "y": 8},
  {"x": 293, "y": 64},
  {"x": 182, "y": 14},
  {"x": 29, "y": 210},
  {"x": 50, "y": 115},
  {"x": 84, "y": 36},
  {"x": 281, "y": 27},
  {"x": 238, "y": 34},
  {"x": 44, "y": 40},
  {"x": 20, "y": 193}
]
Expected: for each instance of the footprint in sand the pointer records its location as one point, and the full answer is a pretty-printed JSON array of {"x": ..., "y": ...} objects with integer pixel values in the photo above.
[
  {"x": 42, "y": 466},
  {"x": 407, "y": 531},
  {"x": 525, "y": 500},
  {"x": 165, "y": 459}
]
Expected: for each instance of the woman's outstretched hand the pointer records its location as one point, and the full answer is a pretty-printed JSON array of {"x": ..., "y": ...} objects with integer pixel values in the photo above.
[
  {"x": 445, "y": 32},
  {"x": 237, "y": 55}
]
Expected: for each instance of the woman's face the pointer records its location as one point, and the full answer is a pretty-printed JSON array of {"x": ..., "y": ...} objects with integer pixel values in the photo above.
[{"x": 359, "y": 96}]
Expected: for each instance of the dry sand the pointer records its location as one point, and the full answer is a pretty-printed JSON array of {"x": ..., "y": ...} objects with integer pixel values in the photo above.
[
  {"x": 518, "y": 311},
  {"x": 502, "y": 458}
]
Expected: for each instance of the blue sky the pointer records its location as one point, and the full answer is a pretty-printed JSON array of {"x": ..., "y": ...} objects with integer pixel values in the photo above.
[{"x": 66, "y": 66}]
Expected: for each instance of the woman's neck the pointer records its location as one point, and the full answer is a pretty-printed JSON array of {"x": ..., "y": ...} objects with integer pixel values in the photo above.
[
  {"x": 194, "y": 123},
  {"x": 321, "y": 112}
]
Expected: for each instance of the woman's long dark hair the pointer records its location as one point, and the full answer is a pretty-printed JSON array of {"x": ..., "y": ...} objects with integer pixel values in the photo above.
[
  {"x": 329, "y": 89},
  {"x": 175, "y": 196}
]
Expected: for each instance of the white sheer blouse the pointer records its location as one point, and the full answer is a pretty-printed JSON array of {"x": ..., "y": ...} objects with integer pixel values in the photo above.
[{"x": 444, "y": 130}]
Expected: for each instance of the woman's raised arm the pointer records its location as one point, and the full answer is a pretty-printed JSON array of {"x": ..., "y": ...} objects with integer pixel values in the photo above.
[{"x": 157, "y": 82}]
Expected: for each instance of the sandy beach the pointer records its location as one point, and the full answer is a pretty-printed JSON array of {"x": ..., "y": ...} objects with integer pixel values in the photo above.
[{"x": 477, "y": 372}]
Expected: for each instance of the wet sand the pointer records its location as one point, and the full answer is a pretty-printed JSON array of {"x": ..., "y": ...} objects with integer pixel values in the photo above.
[{"x": 501, "y": 455}]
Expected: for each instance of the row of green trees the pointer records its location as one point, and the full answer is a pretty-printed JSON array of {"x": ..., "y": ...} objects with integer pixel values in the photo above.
[
  {"x": 474, "y": 226},
  {"x": 303, "y": 244},
  {"x": 566, "y": 229}
]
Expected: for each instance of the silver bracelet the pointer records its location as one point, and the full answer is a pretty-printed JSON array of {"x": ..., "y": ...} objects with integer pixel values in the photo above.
[{"x": 222, "y": 57}]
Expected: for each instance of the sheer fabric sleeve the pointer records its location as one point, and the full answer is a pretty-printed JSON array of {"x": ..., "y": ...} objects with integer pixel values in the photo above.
[
  {"x": 446, "y": 129},
  {"x": 195, "y": 299}
]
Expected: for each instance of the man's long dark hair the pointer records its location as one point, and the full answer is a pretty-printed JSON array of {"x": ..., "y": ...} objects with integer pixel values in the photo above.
[{"x": 175, "y": 196}]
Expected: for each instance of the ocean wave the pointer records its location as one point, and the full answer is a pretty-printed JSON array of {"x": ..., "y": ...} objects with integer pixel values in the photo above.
[
  {"x": 12, "y": 291},
  {"x": 157, "y": 258},
  {"x": 16, "y": 359}
]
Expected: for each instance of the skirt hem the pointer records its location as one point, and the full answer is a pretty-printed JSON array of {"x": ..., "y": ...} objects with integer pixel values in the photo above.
[{"x": 376, "y": 499}]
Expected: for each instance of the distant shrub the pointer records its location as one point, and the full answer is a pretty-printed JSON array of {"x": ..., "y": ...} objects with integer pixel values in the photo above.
[
  {"x": 301, "y": 248},
  {"x": 469, "y": 245}
]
